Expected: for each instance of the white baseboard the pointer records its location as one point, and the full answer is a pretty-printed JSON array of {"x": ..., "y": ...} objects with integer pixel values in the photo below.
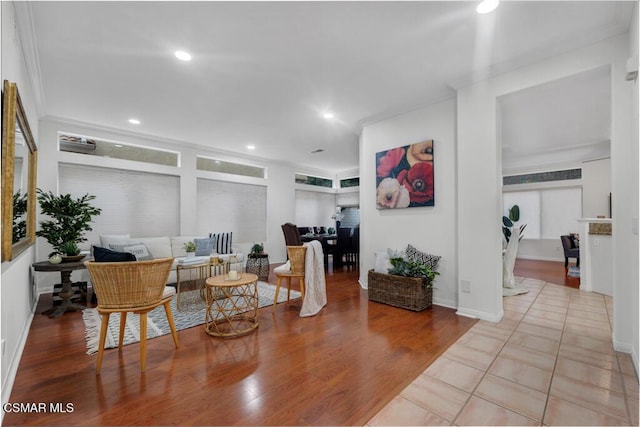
[
  {"x": 445, "y": 303},
  {"x": 14, "y": 363},
  {"x": 623, "y": 347},
  {"x": 482, "y": 315},
  {"x": 540, "y": 258}
]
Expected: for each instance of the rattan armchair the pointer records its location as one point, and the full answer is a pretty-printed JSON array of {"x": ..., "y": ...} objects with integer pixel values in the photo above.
[
  {"x": 136, "y": 287},
  {"x": 297, "y": 256}
]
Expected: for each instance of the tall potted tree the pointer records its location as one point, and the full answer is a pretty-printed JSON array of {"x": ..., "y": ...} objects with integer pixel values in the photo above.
[{"x": 70, "y": 219}]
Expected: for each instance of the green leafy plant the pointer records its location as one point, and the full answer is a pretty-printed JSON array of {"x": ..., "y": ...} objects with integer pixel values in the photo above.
[
  {"x": 70, "y": 219},
  {"x": 190, "y": 247},
  {"x": 257, "y": 248},
  {"x": 408, "y": 268},
  {"x": 70, "y": 248},
  {"x": 19, "y": 231},
  {"x": 508, "y": 223}
]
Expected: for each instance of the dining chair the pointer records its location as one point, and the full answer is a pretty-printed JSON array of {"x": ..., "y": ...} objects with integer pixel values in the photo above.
[
  {"x": 297, "y": 257},
  {"x": 344, "y": 247},
  {"x": 131, "y": 287},
  {"x": 291, "y": 234}
]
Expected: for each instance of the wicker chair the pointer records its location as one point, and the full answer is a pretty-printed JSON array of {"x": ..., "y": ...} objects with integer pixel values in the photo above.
[
  {"x": 297, "y": 255},
  {"x": 136, "y": 287}
]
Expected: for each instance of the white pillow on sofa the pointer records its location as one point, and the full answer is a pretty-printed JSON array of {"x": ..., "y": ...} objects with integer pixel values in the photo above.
[
  {"x": 160, "y": 247},
  {"x": 138, "y": 249},
  {"x": 114, "y": 239}
]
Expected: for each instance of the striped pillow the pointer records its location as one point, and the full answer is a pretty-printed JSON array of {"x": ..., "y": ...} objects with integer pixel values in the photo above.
[{"x": 222, "y": 242}]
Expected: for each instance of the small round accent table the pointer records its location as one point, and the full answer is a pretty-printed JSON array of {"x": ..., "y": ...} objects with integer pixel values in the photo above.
[
  {"x": 258, "y": 264},
  {"x": 232, "y": 305},
  {"x": 66, "y": 293}
]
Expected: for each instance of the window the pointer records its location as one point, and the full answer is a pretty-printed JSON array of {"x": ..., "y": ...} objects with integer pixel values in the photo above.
[
  {"x": 232, "y": 207},
  {"x": 350, "y": 182},
  {"x": 117, "y": 150},
  {"x": 313, "y": 180},
  {"x": 214, "y": 165},
  {"x": 548, "y": 213},
  {"x": 140, "y": 203},
  {"x": 542, "y": 177}
]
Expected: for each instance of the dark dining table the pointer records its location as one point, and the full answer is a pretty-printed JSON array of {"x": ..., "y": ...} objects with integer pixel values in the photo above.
[{"x": 328, "y": 242}]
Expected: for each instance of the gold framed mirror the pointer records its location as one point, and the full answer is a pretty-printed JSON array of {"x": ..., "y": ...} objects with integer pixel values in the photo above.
[{"x": 19, "y": 159}]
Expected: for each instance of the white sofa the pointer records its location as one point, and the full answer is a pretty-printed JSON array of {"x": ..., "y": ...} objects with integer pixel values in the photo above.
[{"x": 169, "y": 247}]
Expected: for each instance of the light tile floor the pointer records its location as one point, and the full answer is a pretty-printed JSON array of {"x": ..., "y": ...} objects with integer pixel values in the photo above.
[{"x": 549, "y": 361}]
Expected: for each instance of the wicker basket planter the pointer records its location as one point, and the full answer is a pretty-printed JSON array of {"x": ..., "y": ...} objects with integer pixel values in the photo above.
[{"x": 399, "y": 291}]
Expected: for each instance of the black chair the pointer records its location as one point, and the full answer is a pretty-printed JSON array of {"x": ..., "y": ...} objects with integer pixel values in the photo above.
[
  {"x": 571, "y": 250},
  {"x": 304, "y": 230},
  {"x": 344, "y": 248},
  {"x": 291, "y": 234},
  {"x": 354, "y": 249}
]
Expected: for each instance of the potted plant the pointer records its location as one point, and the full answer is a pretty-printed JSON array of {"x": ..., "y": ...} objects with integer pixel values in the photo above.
[
  {"x": 69, "y": 219},
  {"x": 190, "y": 247},
  {"x": 508, "y": 223},
  {"x": 408, "y": 268},
  {"x": 256, "y": 250},
  {"x": 19, "y": 216},
  {"x": 408, "y": 285}
]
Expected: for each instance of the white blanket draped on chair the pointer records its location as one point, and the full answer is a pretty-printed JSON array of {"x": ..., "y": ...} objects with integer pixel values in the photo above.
[{"x": 315, "y": 295}]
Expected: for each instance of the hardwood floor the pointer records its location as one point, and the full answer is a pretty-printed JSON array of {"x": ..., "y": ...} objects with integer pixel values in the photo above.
[
  {"x": 549, "y": 271},
  {"x": 337, "y": 368}
]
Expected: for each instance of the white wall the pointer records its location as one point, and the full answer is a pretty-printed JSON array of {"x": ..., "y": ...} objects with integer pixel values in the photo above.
[
  {"x": 479, "y": 153},
  {"x": 625, "y": 180},
  {"x": 16, "y": 297},
  {"x": 430, "y": 229},
  {"x": 314, "y": 209},
  {"x": 596, "y": 186}
]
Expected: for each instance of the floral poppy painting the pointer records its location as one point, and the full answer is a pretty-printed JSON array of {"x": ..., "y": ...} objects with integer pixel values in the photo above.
[{"x": 404, "y": 176}]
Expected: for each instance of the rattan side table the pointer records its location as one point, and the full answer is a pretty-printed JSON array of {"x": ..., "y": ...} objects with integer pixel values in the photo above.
[
  {"x": 258, "y": 264},
  {"x": 232, "y": 305}
]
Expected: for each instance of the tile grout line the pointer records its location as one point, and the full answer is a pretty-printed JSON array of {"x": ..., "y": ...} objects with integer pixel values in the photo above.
[
  {"x": 555, "y": 362},
  {"x": 486, "y": 371},
  {"x": 620, "y": 374}
]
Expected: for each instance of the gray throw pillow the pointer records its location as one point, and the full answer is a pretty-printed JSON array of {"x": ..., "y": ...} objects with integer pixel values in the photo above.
[
  {"x": 204, "y": 246},
  {"x": 140, "y": 250}
]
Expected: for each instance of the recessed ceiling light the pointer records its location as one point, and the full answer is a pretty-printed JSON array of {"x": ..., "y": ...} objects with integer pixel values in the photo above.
[
  {"x": 134, "y": 121},
  {"x": 328, "y": 115},
  {"x": 183, "y": 56},
  {"x": 118, "y": 145},
  {"x": 251, "y": 147},
  {"x": 487, "y": 6}
]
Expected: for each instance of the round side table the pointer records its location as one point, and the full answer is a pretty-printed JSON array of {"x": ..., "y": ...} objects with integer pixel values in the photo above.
[
  {"x": 258, "y": 264},
  {"x": 232, "y": 305}
]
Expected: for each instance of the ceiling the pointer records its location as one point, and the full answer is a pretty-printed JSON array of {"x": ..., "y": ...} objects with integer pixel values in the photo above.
[{"x": 263, "y": 73}]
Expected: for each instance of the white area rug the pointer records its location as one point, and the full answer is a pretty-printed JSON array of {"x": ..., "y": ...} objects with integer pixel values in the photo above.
[{"x": 192, "y": 313}]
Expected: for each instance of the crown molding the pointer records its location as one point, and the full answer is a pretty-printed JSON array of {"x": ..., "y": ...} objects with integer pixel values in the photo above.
[{"x": 27, "y": 34}]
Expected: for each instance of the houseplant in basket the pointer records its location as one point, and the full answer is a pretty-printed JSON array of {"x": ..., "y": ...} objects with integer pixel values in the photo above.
[
  {"x": 257, "y": 250},
  {"x": 409, "y": 284},
  {"x": 69, "y": 219}
]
